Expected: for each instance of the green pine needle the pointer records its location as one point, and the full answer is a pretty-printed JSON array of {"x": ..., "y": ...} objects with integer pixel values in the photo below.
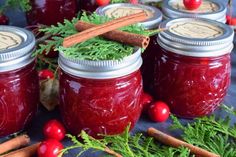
[
  {"x": 119, "y": 1},
  {"x": 213, "y": 134},
  {"x": 24, "y": 5},
  {"x": 217, "y": 135},
  {"x": 126, "y": 145},
  {"x": 96, "y": 48}
]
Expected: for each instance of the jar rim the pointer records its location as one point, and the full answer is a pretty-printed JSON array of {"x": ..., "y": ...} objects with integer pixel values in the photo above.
[
  {"x": 198, "y": 47},
  {"x": 151, "y": 23},
  {"x": 104, "y": 69},
  {"x": 20, "y": 55},
  {"x": 218, "y": 15}
]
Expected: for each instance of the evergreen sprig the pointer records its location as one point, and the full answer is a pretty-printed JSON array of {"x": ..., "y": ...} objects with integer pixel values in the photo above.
[
  {"x": 24, "y": 5},
  {"x": 119, "y": 1},
  {"x": 96, "y": 48},
  {"x": 213, "y": 134},
  {"x": 126, "y": 145}
]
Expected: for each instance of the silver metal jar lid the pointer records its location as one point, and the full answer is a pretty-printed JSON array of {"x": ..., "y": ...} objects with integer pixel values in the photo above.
[
  {"x": 101, "y": 69},
  {"x": 197, "y": 37},
  {"x": 209, "y": 9},
  {"x": 16, "y": 46},
  {"x": 124, "y": 9}
]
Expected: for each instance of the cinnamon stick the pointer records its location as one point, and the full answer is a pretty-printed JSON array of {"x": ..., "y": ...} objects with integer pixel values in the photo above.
[
  {"x": 14, "y": 143},
  {"x": 174, "y": 142},
  {"x": 112, "y": 152},
  {"x": 117, "y": 35},
  {"x": 24, "y": 152},
  {"x": 104, "y": 28}
]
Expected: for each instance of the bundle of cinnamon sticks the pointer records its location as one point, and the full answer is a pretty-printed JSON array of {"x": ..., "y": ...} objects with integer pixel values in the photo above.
[
  {"x": 16, "y": 143},
  {"x": 108, "y": 31}
]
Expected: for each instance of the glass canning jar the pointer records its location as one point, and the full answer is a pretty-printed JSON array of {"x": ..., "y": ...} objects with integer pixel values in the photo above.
[
  {"x": 100, "y": 97},
  {"x": 124, "y": 9},
  {"x": 210, "y": 9},
  {"x": 50, "y": 12},
  {"x": 192, "y": 65},
  {"x": 19, "y": 86}
]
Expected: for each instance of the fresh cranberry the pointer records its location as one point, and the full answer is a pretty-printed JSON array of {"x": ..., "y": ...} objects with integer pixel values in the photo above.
[
  {"x": 49, "y": 148},
  {"x": 159, "y": 111},
  {"x": 102, "y": 2},
  {"x": 54, "y": 129},
  {"x": 45, "y": 74},
  {"x": 192, "y": 4},
  {"x": 230, "y": 20},
  {"x": 146, "y": 100},
  {"x": 4, "y": 19},
  {"x": 133, "y": 1}
]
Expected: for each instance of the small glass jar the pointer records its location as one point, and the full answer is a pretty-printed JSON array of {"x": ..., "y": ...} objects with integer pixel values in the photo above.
[
  {"x": 100, "y": 97},
  {"x": 124, "y": 9},
  {"x": 50, "y": 12},
  {"x": 19, "y": 86},
  {"x": 192, "y": 65},
  {"x": 210, "y": 9}
]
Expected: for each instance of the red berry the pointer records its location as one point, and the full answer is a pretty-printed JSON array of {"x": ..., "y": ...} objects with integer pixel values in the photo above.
[
  {"x": 159, "y": 111},
  {"x": 192, "y": 4},
  {"x": 133, "y": 1},
  {"x": 146, "y": 100},
  {"x": 230, "y": 20},
  {"x": 54, "y": 129},
  {"x": 102, "y": 2},
  {"x": 4, "y": 19},
  {"x": 49, "y": 148},
  {"x": 45, "y": 74}
]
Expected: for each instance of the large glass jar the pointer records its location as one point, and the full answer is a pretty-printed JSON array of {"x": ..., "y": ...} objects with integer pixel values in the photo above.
[
  {"x": 100, "y": 97},
  {"x": 19, "y": 88},
  {"x": 210, "y": 9},
  {"x": 192, "y": 65},
  {"x": 124, "y": 9},
  {"x": 49, "y": 12}
]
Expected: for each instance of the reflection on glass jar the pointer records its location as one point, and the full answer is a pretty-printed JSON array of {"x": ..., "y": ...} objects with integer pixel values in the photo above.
[
  {"x": 19, "y": 94},
  {"x": 100, "y": 97},
  {"x": 192, "y": 68}
]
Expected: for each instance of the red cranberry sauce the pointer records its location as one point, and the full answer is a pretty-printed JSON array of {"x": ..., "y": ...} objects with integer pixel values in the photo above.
[
  {"x": 104, "y": 106},
  {"x": 19, "y": 95},
  {"x": 147, "y": 67},
  {"x": 50, "y": 12},
  {"x": 88, "y": 5},
  {"x": 192, "y": 86}
]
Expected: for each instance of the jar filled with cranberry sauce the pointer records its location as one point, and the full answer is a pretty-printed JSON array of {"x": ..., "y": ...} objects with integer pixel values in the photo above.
[
  {"x": 19, "y": 86},
  {"x": 50, "y": 12},
  {"x": 192, "y": 65},
  {"x": 124, "y": 9},
  {"x": 100, "y": 97},
  {"x": 210, "y": 9}
]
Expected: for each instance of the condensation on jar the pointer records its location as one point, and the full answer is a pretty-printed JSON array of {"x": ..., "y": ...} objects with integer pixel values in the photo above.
[
  {"x": 192, "y": 65},
  {"x": 209, "y": 9},
  {"x": 100, "y": 97},
  {"x": 124, "y": 9},
  {"x": 19, "y": 86}
]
